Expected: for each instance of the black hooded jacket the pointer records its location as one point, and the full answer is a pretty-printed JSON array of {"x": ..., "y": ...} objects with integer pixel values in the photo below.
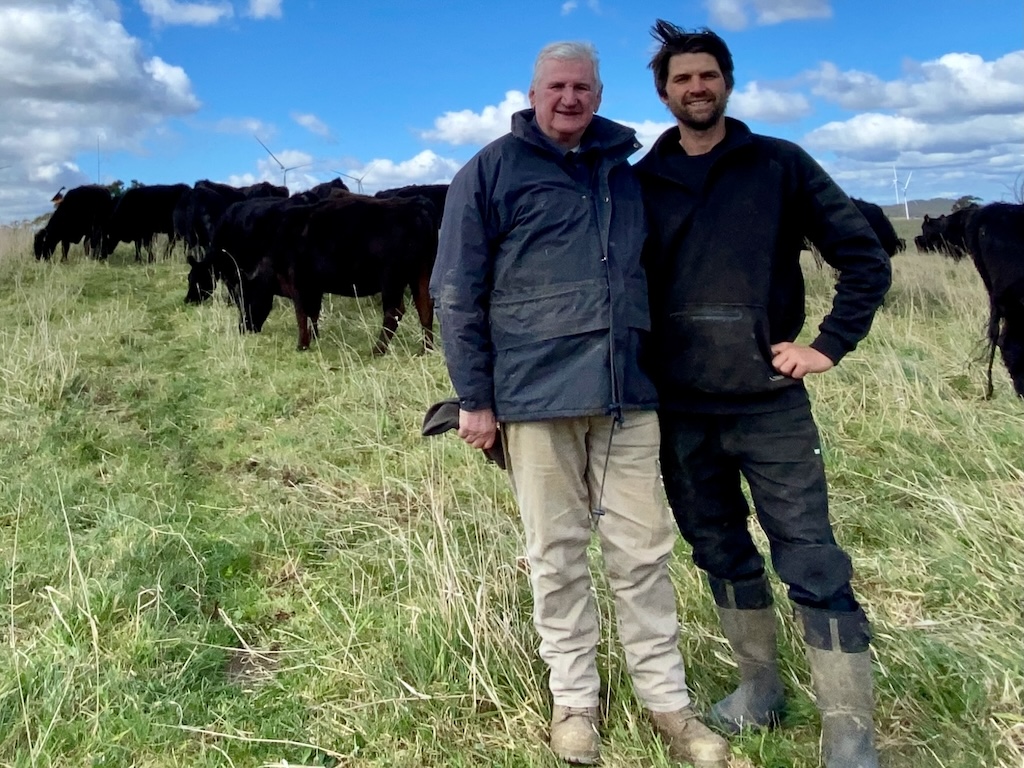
[{"x": 723, "y": 264}]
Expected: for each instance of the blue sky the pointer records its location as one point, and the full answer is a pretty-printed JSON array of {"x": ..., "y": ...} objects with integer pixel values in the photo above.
[{"x": 400, "y": 92}]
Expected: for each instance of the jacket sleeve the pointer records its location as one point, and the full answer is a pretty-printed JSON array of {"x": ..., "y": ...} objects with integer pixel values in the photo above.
[
  {"x": 461, "y": 287},
  {"x": 847, "y": 243}
]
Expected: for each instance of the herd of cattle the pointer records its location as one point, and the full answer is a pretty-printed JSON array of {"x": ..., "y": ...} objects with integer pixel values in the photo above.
[{"x": 261, "y": 242}]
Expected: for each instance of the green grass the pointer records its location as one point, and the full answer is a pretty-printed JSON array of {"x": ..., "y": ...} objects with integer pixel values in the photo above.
[{"x": 218, "y": 551}]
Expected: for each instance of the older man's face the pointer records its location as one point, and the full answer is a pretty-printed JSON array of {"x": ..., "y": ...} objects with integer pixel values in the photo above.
[{"x": 565, "y": 97}]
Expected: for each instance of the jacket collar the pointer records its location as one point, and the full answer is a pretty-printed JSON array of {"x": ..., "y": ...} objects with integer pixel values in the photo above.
[{"x": 603, "y": 135}]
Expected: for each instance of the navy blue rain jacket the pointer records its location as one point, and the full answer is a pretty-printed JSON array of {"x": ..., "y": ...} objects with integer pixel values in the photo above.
[{"x": 538, "y": 283}]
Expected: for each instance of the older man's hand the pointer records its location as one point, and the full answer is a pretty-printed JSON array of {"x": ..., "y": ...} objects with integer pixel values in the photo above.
[{"x": 478, "y": 428}]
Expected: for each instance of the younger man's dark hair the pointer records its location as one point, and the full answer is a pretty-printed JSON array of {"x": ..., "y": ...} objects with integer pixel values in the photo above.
[{"x": 673, "y": 40}]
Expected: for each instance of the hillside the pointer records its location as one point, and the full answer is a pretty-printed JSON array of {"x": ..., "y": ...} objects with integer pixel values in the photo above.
[{"x": 936, "y": 206}]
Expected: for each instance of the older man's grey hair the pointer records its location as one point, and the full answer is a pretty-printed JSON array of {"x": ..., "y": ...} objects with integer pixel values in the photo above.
[{"x": 568, "y": 51}]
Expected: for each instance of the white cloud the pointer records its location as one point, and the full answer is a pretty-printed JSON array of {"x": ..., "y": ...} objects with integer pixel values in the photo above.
[
  {"x": 313, "y": 124},
  {"x": 947, "y": 88},
  {"x": 571, "y": 5},
  {"x": 730, "y": 14},
  {"x": 647, "y": 133},
  {"x": 251, "y": 126},
  {"x": 768, "y": 105},
  {"x": 733, "y": 14},
  {"x": 172, "y": 12},
  {"x": 424, "y": 168},
  {"x": 468, "y": 127},
  {"x": 948, "y": 159},
  {"x": 81, "y": 84},
  {"x": 778, "y": 11},
  {"x": 875, "y": 136},
  {"x": 294, "y": 173},
  {"x": 264, "y": 9}
]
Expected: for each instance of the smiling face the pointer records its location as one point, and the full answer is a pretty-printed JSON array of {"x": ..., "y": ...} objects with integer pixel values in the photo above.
[
  {"x": 565, "y": 96},
  {"x": 696, "y": 93}
]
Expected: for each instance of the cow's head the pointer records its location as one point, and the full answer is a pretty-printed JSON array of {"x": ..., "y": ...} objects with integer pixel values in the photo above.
[
  {"x": 201, "y": 280},
  {"x": 39, "y": 245}
]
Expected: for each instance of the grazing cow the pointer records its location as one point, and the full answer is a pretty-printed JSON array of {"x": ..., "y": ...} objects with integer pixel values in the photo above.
[
  {"x": 236, "y": 246},
  {"x": 264, "y": 189},
  {"x": 140, "y": 215},
  {"x": 353, "y": 246},
  {"x": 82, "y": 213},
  {"x": 945, "y": 234},
  {"x": 321, "y": 191},
  {"x": 198, "y": 211},
  {"x": 994, "y": 236},
  {"x": 435, "y": 193},
  {"x": 349, "y": 246}
]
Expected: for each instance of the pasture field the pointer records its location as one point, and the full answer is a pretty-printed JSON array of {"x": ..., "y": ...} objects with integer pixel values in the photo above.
[{"x": 218, "y": 551}]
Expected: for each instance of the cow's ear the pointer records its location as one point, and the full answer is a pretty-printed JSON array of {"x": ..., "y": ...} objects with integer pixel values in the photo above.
[{"x": 926, "y": 217}]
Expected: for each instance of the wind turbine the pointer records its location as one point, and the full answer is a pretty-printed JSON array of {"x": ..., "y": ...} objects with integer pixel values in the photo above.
[
  {"x": 896, "y": 187},
  {"x": 906, "y": 205},
  {"x": 357, "y": 179},
  {"x": 284, "y": 171}
]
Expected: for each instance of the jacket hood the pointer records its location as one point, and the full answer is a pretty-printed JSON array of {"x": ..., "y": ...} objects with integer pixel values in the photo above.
[{"x": 617, "y": 140}]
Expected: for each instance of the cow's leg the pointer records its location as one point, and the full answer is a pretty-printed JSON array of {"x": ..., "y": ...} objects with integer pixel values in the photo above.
[
  {"x": 314, "y": 304},
  {"x": 1011, "y": 345},
  {"x": 65, "y": 245},
  {"x": 992, "y": 334},
  {"x": 425, "y": 309},
  {"x": 138, "y": 249},
  {"x": 149, "y": 249},
  {"x": 307, "y": 316},
  {"x": 393, "y": 303}
]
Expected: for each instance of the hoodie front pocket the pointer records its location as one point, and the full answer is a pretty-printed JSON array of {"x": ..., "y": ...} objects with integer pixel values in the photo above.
[{"x": 721, "y": 348}]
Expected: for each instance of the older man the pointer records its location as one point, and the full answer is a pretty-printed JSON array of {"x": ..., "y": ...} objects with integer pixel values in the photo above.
[{"x": 544, "y": 317}]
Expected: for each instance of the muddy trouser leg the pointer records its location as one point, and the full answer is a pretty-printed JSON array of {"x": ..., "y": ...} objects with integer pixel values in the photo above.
[{"x": 783, "y": 465}]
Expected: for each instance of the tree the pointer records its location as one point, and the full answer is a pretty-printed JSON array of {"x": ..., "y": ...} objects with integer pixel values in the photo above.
[
  {"x": 967, "y": 201},
  {"x": 117, "y": 188}
]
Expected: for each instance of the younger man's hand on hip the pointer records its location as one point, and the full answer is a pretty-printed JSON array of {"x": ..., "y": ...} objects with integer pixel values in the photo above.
[{"x": 797, "y": 360}]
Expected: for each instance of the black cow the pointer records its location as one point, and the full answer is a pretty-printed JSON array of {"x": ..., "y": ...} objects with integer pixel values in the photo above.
[
  {"x": 880, "y": 225},
  {"x": 321, "y": 191},
  {"x": 82, "y": 213},
  {"x": 994, "y": 236},
  {"x": 435, "y": 193},
  {"x": 945, "y": 234},
  {"x": 140, "y": 215},
  {"x": 198, "y": 210},
  {"x": 237, "y": 245},
  {"x": 348, "y": 245}
]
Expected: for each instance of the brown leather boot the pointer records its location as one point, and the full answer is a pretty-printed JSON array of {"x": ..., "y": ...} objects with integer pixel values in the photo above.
[
  {"x": 574, "y": 734},
  {"x": 689, "y": 740}
]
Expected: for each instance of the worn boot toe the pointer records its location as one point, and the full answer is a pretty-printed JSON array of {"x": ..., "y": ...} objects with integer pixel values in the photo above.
[
  {"x": 689, "y": 740},
  {"x": 574, "y": 734}
]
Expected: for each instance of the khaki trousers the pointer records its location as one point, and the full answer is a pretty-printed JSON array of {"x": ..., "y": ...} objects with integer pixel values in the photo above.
[{"x": 557, "y": 469}]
